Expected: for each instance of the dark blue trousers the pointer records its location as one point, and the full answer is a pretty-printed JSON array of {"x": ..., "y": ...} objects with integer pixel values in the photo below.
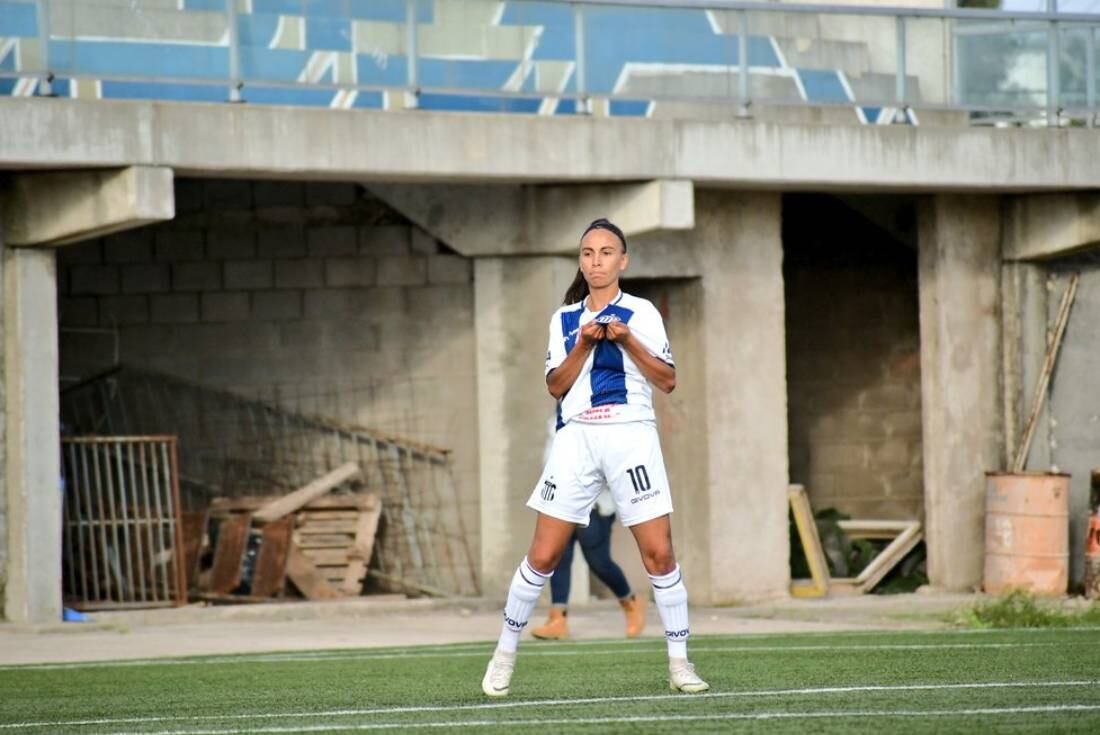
[{"x": 596, "y": 546}]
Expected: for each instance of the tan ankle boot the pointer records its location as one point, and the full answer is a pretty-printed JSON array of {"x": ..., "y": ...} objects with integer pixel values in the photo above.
[
  {"x": 634, "y": 609},
  {"x": 555, "y": 628}
]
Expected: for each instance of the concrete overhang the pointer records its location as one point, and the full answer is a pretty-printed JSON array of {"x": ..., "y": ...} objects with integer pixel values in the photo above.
[
  {"x": 58, "y": 208},
  {"x": 1044, "y": 226},
  {"x": 501, "y": 219},
  {"x": 256, "y": 141}
]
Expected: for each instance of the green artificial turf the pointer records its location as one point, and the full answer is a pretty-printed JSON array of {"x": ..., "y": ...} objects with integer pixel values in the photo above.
[{"x": 947, "y": 681}]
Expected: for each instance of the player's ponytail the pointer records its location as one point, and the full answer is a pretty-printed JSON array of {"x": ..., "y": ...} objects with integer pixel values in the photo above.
[{"x": 577, "y": 291}]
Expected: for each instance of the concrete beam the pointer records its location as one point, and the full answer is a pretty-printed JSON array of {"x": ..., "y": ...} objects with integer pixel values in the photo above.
[
  {"x": 52, "y": 209},
  {"x": 1043, "y": 226},
  {"x": 537, "y": 220},
  {"x": 961, "y": 402},
  {"x": 32, "y": 456},
  {"x": 257, "y": 141}
]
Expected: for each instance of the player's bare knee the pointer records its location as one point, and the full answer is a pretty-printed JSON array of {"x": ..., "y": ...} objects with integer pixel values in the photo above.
[
  {"x": 659, "y": 561},
  {"x": 543, "y": 561}
]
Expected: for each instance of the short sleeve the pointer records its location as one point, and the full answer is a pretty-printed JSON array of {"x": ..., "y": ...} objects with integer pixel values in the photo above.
[
  {"x": 648, "y": 326},
  {"x": 555, "y": 350}
]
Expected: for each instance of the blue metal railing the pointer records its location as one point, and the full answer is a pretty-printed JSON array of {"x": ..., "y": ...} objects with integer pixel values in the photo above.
[{"x": 613, "y": 57}]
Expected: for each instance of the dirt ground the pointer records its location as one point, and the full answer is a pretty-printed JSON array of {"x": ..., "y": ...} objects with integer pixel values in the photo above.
[{"x": 393, "y": 621}]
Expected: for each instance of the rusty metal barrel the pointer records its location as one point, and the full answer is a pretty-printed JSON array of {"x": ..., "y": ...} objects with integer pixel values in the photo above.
[{"x": 1027, "y": 532}]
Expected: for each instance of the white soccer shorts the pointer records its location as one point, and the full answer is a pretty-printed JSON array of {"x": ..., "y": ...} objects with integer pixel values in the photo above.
[{"x": 584, "y": 457}]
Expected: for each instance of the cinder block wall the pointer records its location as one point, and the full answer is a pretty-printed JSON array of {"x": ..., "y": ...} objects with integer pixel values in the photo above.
[
  {"x": 853, "y": 361},
  {"x": 315, "y": 296}
]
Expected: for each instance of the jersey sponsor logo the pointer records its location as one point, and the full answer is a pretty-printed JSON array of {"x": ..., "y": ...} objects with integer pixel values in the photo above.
[
  {"x": 607, "y": 318},
  {"x": 514, "y": 624},
  {"x": 676, "y": 635},
  {"x": 548, "y": 489},
  {"x": 600, "y": 413}
]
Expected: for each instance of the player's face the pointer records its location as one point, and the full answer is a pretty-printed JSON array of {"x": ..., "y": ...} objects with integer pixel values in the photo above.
[{"x": 602, "y": 258}]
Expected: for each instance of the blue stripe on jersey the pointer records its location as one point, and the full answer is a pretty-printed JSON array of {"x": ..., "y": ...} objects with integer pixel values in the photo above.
[
  {"x": 570, "y": 326},
  {"x": 559, "y": 423},
  {"x": 608, "y": 376}
]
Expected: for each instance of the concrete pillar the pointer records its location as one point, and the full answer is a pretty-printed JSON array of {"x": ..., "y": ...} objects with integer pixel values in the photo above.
[
  {"x": 32, "y": 461},
  {"x": 739, "y": 542},
  {"x": 513, "y": 301},
  {"x": 959, "y": 273}
]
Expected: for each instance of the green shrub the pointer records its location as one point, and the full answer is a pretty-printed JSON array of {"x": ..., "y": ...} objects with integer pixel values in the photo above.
[{"x": 1021, "y": 609}]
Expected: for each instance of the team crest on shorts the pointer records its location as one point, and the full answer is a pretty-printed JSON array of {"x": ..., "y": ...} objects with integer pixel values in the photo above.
[{"x": 548, "y": 489}]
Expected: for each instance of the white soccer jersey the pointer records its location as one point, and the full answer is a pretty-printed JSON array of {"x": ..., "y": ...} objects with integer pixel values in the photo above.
[{"x": 610, "y": 387}]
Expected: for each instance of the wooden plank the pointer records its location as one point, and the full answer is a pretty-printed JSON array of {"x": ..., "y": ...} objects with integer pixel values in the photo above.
[
  {"x": 889, "y": 557},
  {"x": 309, "y": 516},
  {"x": 323, "y": 557},
  {"x": 360, "y": 554},
  {"x": 293, "y": 501},
  {"x": 337, "y": 502},
  {"x": 269, "y": 575},
  {"x": 309, "y": 580},
  {"x": 323, "y": 541},
  {"x": 194, "y": 531},
  {"x": 872, "y": 529},
  {"x": 1044, "y": 376},
  {"x": 811, "y": 542},
  {"x": 228, "y": 553},
  {"x": 348, "y": 527}
]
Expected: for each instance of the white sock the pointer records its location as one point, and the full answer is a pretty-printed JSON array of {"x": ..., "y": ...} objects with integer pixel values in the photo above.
[
  {"x": 527, "y": 584},
  {"x": 672, "y": 603}
]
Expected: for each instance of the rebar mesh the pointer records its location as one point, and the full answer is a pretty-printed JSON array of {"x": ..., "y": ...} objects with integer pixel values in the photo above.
[{"x": 230, "y": 445}]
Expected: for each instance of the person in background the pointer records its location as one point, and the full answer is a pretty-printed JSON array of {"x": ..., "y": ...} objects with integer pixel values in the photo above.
[{"x": 595, "y": 541}]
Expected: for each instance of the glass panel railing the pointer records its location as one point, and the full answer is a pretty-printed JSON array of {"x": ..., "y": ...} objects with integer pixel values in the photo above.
[
  {"x": 1077, "y": 67},
  {"x": 553, "y": 57},
  {"x": 1001, "y": 66},
  {"x": 927, "y": 62},
  {"x": 153, "y": 49},
  {"x": 828, "y": 60},
  {"x": 487, "y": 56}
]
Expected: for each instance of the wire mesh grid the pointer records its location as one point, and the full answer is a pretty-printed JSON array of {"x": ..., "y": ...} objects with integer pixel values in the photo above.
[{"x": 231, "y": 445}]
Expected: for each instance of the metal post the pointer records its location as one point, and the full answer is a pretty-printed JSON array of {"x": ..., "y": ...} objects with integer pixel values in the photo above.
[
  {"x": 1090, "y": 75},
  {"x": 46, "y": 85},
  {"x": 1053, "y": 56},
  {"x": 899, "y": 78},
  {"x": 579, "y": 70},
  {"x": 235, "y": 83},
  {"x": 413, "y": 96},
  {"x": 743, "y": 64}
]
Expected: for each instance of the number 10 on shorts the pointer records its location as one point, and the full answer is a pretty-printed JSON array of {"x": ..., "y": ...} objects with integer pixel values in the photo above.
[{"x": 639, "y": 478}]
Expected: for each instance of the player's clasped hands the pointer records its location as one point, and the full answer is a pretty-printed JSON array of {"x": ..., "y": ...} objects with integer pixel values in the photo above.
[
  {"x": 593, "y": 332},
  {"x": 617, "y": 331}
]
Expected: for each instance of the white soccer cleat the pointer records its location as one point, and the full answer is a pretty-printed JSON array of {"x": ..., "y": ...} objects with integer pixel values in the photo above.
[
  {"x": 682, "y": 678},
  {"x": 498, "y": 675}
]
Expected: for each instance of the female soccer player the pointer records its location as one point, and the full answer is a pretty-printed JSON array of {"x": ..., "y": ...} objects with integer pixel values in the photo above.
[{"x": 606, "y": 348}]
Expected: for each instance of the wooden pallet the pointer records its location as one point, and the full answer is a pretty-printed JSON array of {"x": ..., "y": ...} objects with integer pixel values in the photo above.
[
  {"x": 330, "y": 543},
  {"x": 904, "y": 536},
  {"x": 340, "y": 541}
]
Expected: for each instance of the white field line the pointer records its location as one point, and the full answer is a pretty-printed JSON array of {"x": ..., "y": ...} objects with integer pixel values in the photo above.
[
  {"x": 486, "y": 649},
  {"x": 834, "y": 715},
  {"x": 677, "y": 698}
]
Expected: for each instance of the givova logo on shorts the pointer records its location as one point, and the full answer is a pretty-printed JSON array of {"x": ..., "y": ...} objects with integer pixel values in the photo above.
[{"x": 548, "y": 489}]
